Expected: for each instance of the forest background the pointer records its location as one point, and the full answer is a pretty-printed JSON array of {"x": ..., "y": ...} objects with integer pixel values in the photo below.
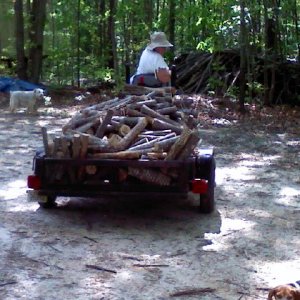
[{"x": 73, "y": 42}]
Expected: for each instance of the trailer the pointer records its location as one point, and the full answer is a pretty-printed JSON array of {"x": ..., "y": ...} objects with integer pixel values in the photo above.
[
  {"x": 146, "y": 143},
  {"x": 69, "y": 177}
]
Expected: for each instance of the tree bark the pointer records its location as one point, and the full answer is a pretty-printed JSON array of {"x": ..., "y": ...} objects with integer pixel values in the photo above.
[
  {"x": 37, "y": 24},
  {"x": 172, "y": 20},
  {"x": 242, "y": 57},
  {"x": 112, "y": 62},
  {"x": 21, "y": 59},
  {"x": 148, "y": 8}
]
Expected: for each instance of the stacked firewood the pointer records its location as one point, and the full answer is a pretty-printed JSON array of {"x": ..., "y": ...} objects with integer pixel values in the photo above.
[{"x": 148, "y": 125}]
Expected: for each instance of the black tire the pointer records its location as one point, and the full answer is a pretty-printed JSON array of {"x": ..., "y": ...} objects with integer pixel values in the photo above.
[
  {"x": 50, "y": 203},
  {"x": 206, "y": 166}
]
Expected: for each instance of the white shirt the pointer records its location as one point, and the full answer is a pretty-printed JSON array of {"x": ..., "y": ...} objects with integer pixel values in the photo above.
[{"x": 149, "y": 62}]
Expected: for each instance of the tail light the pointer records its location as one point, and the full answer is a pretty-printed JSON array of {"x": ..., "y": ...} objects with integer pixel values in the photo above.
[
  {"x": 33, "y": 182},
  {"x": 199, "y": 186}
]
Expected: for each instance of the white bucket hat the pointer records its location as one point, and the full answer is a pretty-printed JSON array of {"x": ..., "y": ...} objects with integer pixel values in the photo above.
[{"x": 158, "y": 39}]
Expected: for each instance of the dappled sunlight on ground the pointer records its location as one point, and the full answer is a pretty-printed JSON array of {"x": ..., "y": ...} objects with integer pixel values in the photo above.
[
  {"x": 228, "y": 227},
  {"x": 13, "y": 189},
  {"x": 281, "y": 272},
  {"x": 107, "y": 249},
  {"x": 289, "y": 196},
  {"x": 14, "y": 193}
]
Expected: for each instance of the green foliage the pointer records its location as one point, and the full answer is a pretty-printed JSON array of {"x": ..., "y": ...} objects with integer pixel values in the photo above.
[{"x": 77, "y": 40}]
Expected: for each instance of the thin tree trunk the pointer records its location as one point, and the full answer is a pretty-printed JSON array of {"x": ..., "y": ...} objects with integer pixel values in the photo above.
[
  {"x": 112, "y": 61},
  {"x": 297, "y": 28},
  {"x": 101, "y": 29},
  {"x": 172, "y": 7},
  {"x": 21, "y": 59},
  {"x": 37, "y": 24},
  {"x": 243, "y": 57},
  {"x": 78, "y": 43},
  {"x": 148, "y": 8}
]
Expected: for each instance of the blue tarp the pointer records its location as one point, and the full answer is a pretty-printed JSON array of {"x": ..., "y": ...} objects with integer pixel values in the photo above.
[{"x": 8, "y": 84}]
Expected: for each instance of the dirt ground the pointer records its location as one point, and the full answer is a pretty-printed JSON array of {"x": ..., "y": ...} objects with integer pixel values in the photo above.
[{"x": 116, "y": 249}]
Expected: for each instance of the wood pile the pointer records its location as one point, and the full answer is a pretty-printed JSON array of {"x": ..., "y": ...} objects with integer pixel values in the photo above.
[
  {"x": 218, "y": 72},
  {"x": 200, "y": 72},
  {"x": 148, "y": 125}
]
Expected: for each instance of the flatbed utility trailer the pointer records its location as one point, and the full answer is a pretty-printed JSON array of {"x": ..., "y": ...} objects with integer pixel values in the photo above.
[{"x": 195, "y": 175}]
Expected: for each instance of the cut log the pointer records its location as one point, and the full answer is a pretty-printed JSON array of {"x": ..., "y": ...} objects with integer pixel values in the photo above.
[
  {"x": 142, "y": 90},
  {"x": 76, "y": 144},
  {"x": 150, "y": 176},
  {"x": 100, "y": 144},
  {"x": 114, "y": 140},
  {"x": 165, "y": 145},
  {"x": 65, "y": 147},
  {"x": 101, "y": 106},
  {"x": 158, "y": 132},
  {"x": 161, "y": 125},
  {"x": 156, "y": 155},
  {"x": 129, "y": 138},
  {"x": 60, "y": 150},
  {"x": 139, "y": 142},
  {"x": 130, "y": 121},
  {"x": 86, "y": 127},
  {"x": 151, "y": 143},
  {"x": 178, "y": 146},
  {"x": 81, "y": 121},
  {"x": 191, "y": 122},
  {"x": 84, "y": 142},
  {"x": 45, "y": 141},
  {"x": 134, "y": 113},
  {"x": 57, "y": 152},
  {"x": 167, "y": 110},
  {"x": 164, "y": 99},
  {"x": 153, "y": 114},
  {"x": 138, "y": 105},
  {"x": 191, "y": 144},
  {"x": 102, "y": 127},
  {"x": 123, "y": 103},
  {"x": 118, "y": 155},
  {"x": 124, "y": 129},
  {"x": 162, "y": 105},
  {"x": 113, "y": 126}
]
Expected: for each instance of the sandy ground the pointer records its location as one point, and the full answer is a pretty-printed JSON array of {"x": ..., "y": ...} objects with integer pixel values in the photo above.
[{"x": 154, "y": 248}]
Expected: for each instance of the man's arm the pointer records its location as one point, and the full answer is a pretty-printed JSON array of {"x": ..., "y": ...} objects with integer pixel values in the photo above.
[{"x": 163, "y": 75}]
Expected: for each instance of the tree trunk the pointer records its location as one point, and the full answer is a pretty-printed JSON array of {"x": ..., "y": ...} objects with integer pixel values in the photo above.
[
  {"x": 172, "y": 19},
  {"x": 101, "y": 29},
  {"x": 21, "y": 59},
  {"x": 78, "y": 43},
  {"x": 148, "y": 8},
  {"x": 37, "y": 24},
  {"x": 242, "y": 57},
  {"x": 297, "y": 29},
  {"x": 112, "y": 61}
]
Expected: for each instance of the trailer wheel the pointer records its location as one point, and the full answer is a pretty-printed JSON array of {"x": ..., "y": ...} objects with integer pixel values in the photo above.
[
  {"x": 50, "y": 202},
  {"x": 206, "y": 166}
]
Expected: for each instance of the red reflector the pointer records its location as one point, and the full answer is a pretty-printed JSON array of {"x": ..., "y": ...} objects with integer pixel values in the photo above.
[
  {"x": 33, "y": 182},
  {"x": 199, "y": 186}
]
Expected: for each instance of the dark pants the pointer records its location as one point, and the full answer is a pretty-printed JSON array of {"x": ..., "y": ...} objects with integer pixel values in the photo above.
[{"x": 146, "y": 80}]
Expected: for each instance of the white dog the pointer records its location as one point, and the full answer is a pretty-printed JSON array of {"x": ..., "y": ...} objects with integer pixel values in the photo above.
[{"x": 29, "y": 99}]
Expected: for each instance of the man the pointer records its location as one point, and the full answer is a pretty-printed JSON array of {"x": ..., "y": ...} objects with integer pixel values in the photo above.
[{"x": 152, "y": 70}]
